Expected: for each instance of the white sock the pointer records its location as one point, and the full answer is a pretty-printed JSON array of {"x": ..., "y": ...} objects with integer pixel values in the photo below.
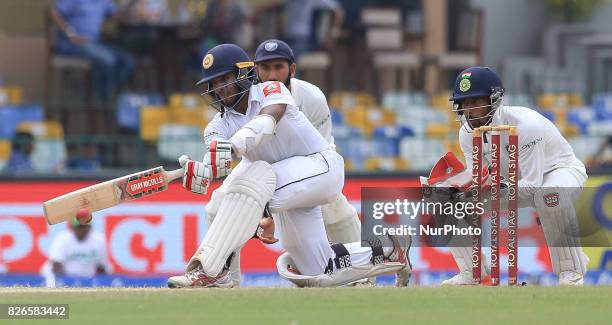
[
  {"x": 359, "y": 255},
  {"x": 363, "y": 255}
]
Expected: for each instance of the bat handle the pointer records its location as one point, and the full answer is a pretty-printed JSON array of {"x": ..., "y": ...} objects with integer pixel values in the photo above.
[{"x": 175, "y": 174}]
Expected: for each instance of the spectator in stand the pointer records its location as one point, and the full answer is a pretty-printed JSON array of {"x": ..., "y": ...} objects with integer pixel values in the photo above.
[
  {"x": 225, "y": 22},
  {"x": 22, "y": 147},
  {"x": 80, "y": 23},
  {"x": 299, "y": 30}
]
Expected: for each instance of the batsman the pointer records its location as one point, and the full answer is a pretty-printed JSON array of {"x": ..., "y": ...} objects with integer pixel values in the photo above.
[
  {"x": 287, "y": 172},
  {"x": 550, "y": 177},
  {"x": 274, "y": 61}
]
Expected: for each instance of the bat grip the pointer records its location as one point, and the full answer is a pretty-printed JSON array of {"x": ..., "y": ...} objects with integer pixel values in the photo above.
[{"x": 175, "y": 174}]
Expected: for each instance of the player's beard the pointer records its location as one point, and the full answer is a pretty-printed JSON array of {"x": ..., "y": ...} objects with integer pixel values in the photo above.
[{"x": 287, "y": 82}]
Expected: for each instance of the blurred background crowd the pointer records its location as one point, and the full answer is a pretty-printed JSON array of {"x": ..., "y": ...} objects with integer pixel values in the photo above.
[{"x": 89, "y": 87}]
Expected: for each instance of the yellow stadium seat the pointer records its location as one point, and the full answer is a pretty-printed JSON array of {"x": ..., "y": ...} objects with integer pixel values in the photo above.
[
  {"x": 11, "y": 95},
  {"x": 43, "y": 130},
  {"x": 439, "y": 131},
  {"x": 575, "y": 100},
  {"x": 5, "y": 150},
  {"x": 441, "y": 100},
  {"x": 454, "y": 147},
  {"x": 368, "y": 119},
  {"x": 346, "y": 100},
  {"x": 189, "y": 100},
  {"x": 151, "y": 119},
  {"x": 365, "y": 99},
  {"x": 569, "y": 130},
  {"x": 15, "y": 94},
  {"x": 189, "y": 116},
  {"x": 386, "y": 164},
  {"x": 546, "y": 101},
  {"x": 348, "y": 165},
  {"x": 551, "y": 101},
  {"x": 355, "y": 116}
]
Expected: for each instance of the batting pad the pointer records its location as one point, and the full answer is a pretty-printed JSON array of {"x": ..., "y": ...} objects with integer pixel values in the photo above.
[
  {"x": 560, "y": 226},
  {"x": 463, "y": 258},
  {"x": 341, "y": 221},
  {"x": 238, "y": 216},
  {"x": 288, "y": 271}
]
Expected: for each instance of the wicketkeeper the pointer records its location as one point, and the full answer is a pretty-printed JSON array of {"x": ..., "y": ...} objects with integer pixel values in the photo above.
[{"x": 550, "y": 176}]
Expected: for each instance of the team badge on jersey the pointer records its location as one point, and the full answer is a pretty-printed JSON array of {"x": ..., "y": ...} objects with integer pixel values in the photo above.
[
  {"x": 208, "y": 61},
  {"x": 273, "y": 87},
  {"x": 551, "y": 200}
]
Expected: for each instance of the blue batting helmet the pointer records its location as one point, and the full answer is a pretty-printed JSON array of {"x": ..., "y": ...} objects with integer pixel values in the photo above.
[
  {"x": 477, "y": 82},
  {"x": 221, "y": 60}
]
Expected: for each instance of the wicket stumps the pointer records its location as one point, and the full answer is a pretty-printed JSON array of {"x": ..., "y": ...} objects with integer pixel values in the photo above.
[{"x": 512, "y": 183}]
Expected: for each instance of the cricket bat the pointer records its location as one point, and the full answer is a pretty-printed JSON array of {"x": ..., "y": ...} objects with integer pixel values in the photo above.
[{"x": 109, "y": 193}]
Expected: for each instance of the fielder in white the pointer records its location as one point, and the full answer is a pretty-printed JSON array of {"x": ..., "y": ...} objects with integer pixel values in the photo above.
[
  {"x": 289, "y": 170},
  {"x": 550, "y": 176},
  {"x": 77, "y": 252},
  {"x": 274, "y": 61}
]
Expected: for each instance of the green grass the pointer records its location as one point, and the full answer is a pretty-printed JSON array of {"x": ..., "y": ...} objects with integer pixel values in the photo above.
[{"x": 380, "y": 306}]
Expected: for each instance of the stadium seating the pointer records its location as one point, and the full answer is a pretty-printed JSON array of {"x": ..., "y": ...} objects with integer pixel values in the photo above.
[
  {"x": 602, "y": 104},
  {"x": 49, "y": 154},
  {"x": 421, "y": 153},
  {"x": 581, "y": 117},
  {"x": 585, "y": 147},
  {"x": 188, "y": 116},
  {"x": 5, "y": 153},
  {"x": 13, "y": 115},
  {"x": 11, "y": 95},
  {"x": 176, "y": 140},
  {"x": 129, "y": 106},
  {"x": 408, "y": 131},
  {"x": 387, "y": 164},
  {"x": 151, "y": 119}
]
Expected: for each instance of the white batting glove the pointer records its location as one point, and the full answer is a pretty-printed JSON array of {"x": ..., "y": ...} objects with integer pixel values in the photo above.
[
  {"x": 196, "y": 175},
  {"x": 219, "y": 158}
]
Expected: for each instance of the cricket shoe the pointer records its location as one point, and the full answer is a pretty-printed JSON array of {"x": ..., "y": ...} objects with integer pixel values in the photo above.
[
  {"x": 196, "y": 278},
  {"x": 464, "y": 278},
  {"x": 400, "y": 253},
  {"x": 571, "y": 278},
  {"x": 366, "y": 283}
]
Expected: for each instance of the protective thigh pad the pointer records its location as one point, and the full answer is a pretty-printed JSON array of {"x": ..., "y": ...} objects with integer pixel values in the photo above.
[
  {"x": 238, "y": 216},
  {"x": 288, "y": 271},
  {"x": 341, "y": 221},
  {"x": 560, "y": 226}
]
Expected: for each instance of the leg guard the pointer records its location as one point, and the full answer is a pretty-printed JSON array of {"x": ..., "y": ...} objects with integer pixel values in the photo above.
[
  {"x": 341, "y": 221},
  {"x": 217, "y": 196},
  {"x": 237, "y": 218},
  {"x": 211, "y": 211},
  {"x": 560, "y": 225},
  {"x": 463, "y": 258}
]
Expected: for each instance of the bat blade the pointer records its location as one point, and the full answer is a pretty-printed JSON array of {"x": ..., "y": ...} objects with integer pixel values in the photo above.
[{"x": 108, "y": 194}]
